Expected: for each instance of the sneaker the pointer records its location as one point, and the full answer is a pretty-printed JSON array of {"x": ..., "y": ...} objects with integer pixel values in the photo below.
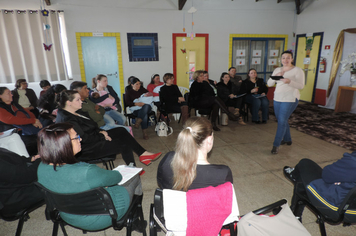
[{"x": 288, "y": 173}]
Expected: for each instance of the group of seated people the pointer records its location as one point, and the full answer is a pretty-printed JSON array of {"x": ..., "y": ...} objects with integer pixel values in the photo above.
[{"x": 76, "y": 137}]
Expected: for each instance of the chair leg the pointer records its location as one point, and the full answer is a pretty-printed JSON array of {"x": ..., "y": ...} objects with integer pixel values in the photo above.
[
  {"x": 152, "y": 223},
  {"x": 320, "y": 221},
  {"x": 63, "y": 229},
  {"x": 106, "y": 165},
  {"x": 55, "y": 229},
  {"x": 22, "y": 220}
]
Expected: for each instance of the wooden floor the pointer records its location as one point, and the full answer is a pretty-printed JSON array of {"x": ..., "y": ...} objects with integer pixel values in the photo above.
[{"x": 258, "y": 177}]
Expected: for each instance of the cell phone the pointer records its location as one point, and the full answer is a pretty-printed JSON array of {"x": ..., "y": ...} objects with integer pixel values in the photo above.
[{"x": 276, "y": 77}]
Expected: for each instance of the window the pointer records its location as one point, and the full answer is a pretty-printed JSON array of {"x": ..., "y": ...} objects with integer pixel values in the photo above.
[
  {"x": 142, "y": 46},
  {"x": 260, "y": 53}
]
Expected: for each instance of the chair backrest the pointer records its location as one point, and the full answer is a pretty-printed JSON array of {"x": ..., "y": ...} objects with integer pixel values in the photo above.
[
  {"x": 92, "y": 202},
  {"x": 170, "y": 207},
  {"x": 183, "y": 90}
]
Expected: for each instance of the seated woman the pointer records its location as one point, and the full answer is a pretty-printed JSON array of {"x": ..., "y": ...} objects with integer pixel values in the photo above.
[
  {"x": 188, "y": 167},
  {"x": 98, "y": 143},
  {"x": 59, "y": 168},
  {"x": 202, "y": 96},
  {"x": 45, "y": 85},
  {"x": 332, "y": 183},
  {"x": 172, "y": 98},
  {"x": 25, "y": 97},
  {"x": 139, "y": 109},
  {"x": 105, "y": 96},
  {"x": 13, "y": 114},
  {"x": 17, "y": 177},
  {"x": 256, "y": 90},
  {"x": 152, "y": 87},
  {"x": 47, "y": 102},
  {"x": 227, "y": 92}
]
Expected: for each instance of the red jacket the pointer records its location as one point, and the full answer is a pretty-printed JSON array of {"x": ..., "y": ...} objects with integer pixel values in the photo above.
[{"x": 20, "y": 118}]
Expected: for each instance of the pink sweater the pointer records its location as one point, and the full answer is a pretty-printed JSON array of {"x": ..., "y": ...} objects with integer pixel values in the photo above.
[{"x": 207, "y": 209}]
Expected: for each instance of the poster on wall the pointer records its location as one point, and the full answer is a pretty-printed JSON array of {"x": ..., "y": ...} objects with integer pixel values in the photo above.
[
  {"x": 240, "y": 62},
  {"x": 256, "y": 61},
  {"x": 257, "y": 53},
  {"x": 272, "y": 62},
  {"x": 240, "y": 53},
  {"x": 273, "y": 53}
]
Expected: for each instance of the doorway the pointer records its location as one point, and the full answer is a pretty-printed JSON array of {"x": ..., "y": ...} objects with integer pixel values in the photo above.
[
  {"x": 189, "y": 56},
  {"x": 307, "y": 58},
  {"x": 101, "y": 55}
]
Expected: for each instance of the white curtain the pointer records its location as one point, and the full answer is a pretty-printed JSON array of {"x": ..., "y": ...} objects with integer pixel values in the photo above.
[
  {"x": 22, "y": 54},
  {"x": 344, "y": 79}
]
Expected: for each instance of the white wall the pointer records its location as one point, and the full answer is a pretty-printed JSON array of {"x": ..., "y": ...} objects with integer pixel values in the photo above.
[
  {"x": 330, "y": 17},
  {"x": 217, "y": 18}
]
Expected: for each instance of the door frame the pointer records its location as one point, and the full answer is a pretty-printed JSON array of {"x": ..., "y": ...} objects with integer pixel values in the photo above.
[
  {"x": 321, "y": 34},
  {"x": 174, "y": 40},
  {"x": 119, "y": 55}
]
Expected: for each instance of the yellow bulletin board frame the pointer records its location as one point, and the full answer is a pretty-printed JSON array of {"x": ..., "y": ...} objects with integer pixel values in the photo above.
[{"x": 78, "y": 36}]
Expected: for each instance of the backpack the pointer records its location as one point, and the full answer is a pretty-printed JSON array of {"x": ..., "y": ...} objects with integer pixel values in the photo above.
[{"x": 162, "y": 129}]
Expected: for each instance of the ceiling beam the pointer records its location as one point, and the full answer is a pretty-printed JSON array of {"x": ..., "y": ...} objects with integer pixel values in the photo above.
[
  {"x": 48, "y": 2},
  {"x": 297, "y": 6},
  {"x": 181, "y": 4}
]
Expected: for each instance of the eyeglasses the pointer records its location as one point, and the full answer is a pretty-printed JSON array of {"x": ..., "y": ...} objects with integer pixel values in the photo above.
[{"x": 78, "y": 137}]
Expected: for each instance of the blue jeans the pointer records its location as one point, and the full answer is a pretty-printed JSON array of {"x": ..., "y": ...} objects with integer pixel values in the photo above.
[
  {"x": 143, "y": 114},
  {"x": 256, "y": 105},
  {"x": 282, "y": 111},
  {"x": 112, "y": 116},
  {"x": 109, "y": 126}
]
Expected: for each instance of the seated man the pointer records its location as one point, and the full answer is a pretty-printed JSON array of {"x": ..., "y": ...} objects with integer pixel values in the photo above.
[
  {"x": 331, "y": 183},
  {"x": 96, "y": 112},
  {"x": 17, "y": 177}
]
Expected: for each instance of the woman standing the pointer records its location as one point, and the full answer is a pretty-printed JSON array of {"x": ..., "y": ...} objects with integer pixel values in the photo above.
[
  {"x": 256, "y": 90},
  {"x": 107, "y": 98},
  {"x": 228, "y": 91},
  {"x": 99, "y": 143},
  {"x": 60, "y": 172},
  {"x": 202, "y": 95},
  {"x": 172, "y": 99},
  {"x": 188, "y": 167},
  {"x": 286, "y": 97},
  {"x": 139, "y": 109}
]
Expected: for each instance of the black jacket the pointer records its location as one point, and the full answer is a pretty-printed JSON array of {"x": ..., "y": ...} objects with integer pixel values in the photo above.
[
  {"x": 199, "y": 91},
  {"x": 224, "y": 90},
  {"x": 17, "y": 177},
  {"x": 247, "y": 86},
  {"x": 169, "y": 95},
  {"x": 29, "y": 93}
]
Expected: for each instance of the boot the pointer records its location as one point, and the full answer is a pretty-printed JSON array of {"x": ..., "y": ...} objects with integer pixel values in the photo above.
[
  {"x": 223, "y": 107},
  {"x": 137, "y": 124},
  {"x": 236, "y": 112},
  {"x": 145, "y": 135},
  {"x": 215, "y": 128},
  {"x": 241, "y": 121},
  {"x": 231, "y": 109},
  {"x": 185, "y": 114}
]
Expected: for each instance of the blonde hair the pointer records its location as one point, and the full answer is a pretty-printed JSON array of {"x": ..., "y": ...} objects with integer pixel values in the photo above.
[
  {"x": 197, "y": 73},
  {"x": 190, "y": 139}
]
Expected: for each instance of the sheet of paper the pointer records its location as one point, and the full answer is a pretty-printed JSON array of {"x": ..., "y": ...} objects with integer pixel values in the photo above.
[
  {"x": 273, "y": 53},
  {"x": 127, "y": 172},
  {"x": 257, "y": 53},
  {"x": 240, "y": 62},
  {"x": 272, "y": 62},
  {"x": 240, "y": 53},
  {"x": 256, "y": 61}
]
